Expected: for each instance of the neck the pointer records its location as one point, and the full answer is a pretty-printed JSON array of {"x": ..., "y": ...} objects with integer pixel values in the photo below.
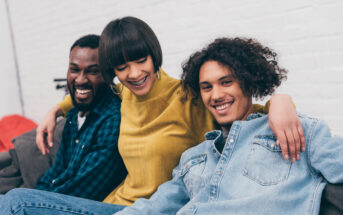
[{"x": 227, "y": 127}]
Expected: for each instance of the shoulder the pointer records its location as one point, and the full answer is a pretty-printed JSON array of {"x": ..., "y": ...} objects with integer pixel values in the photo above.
[
  {"x": 312, "y": 125},
  {"x": 194, "y": 153},
  {"x": 315, "y": 130},
  {"x": 172, "y": 88}
]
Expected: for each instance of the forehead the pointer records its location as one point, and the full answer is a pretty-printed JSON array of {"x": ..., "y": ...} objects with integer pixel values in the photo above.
[
  {"x": 83, "y": 56},
  {"x": 212, "y": 71}
]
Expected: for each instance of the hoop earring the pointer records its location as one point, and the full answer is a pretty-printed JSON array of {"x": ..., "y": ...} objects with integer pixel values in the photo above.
[
  {"x": 115, "y": 90},
  {"x": 158, "y": 75}
]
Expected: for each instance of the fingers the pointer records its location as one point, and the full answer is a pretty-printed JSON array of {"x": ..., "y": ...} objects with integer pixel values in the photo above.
[
  {"x": 297, "y": 141},
  {"x": 291, "y": 145},
  {"x": 302, "y": 137},
  {"x": 282, "y": 142},
  {"x": 51, "y": 136},
  {"x": 40, "y": 141}
]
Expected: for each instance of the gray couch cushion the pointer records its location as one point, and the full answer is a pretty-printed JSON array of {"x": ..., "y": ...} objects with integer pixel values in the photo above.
[{"x": 32, "y": 163}]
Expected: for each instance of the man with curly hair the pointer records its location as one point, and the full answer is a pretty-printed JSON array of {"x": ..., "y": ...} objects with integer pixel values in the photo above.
[{"x": 239, "y": 169}]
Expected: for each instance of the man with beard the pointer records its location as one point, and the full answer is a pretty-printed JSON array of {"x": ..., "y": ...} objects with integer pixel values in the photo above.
[{"x": 88, "y": 163}]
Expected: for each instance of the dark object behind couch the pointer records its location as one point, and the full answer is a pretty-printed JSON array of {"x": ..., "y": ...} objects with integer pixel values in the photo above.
[{"x": 28, "y": 164}]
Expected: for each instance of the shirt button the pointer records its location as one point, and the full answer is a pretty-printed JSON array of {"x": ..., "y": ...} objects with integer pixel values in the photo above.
[
  {"x": 231, "y": 140},
  {"x": 53, "y": 181},
  {"x": 76, "y": 141}
]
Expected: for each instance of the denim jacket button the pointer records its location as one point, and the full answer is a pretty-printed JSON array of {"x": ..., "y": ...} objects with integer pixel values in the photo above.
[{"x": 231, "y": 140}]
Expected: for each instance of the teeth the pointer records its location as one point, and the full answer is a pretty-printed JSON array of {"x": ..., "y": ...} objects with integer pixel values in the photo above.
[
  {"x": 221, "y": 107},
  {"x": 79, "y": 91},
  {"x": 139, "y": 83}
]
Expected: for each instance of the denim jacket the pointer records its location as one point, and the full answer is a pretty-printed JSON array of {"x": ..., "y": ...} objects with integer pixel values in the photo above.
[{"x": 250, "y": 176}]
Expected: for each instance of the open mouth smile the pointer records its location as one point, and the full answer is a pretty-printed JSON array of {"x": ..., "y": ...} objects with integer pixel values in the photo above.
[
  {"x": 83, "y": 91},
  {"x": 138, "y": 83},
  {"x": 223, "y": 106}
]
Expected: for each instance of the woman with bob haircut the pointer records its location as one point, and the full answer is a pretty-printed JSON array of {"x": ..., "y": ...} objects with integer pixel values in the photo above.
[{"x": 158, "y": 121}]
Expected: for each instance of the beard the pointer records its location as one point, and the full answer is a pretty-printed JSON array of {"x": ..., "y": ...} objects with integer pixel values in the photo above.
[{"x": 86, "y": 106}]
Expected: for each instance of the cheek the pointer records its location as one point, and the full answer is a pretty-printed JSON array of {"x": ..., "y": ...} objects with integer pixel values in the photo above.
[
  {"x": 70, "y": 78},
  {"x": 120, "y": 76},
  {"x": 203, "y": 97}
]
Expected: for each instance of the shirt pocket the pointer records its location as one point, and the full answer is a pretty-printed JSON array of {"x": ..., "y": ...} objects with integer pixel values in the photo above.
[
  {"x": 265, "y": 164},
  {"x": 192, "y": 173}
]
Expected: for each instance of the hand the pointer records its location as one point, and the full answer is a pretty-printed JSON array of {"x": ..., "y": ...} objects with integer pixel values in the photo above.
[
  {"x": 45, "y": 130},
  {"x": 286, "y": 125}
]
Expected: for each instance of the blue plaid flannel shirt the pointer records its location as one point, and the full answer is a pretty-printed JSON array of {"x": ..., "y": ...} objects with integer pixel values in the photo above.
[{"x": 88, "y": 163}]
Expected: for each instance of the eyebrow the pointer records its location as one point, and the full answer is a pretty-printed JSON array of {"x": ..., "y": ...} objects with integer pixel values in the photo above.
[
  {"x": 90, "y": 66},
  {"x": 220, "y": 79}
]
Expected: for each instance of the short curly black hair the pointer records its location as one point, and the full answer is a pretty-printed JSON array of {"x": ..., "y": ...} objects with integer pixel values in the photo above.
[{"x": 253, "y": 65}]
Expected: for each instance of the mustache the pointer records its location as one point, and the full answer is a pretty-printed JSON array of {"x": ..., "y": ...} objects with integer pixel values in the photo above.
[{"x": 81, "y": 86}]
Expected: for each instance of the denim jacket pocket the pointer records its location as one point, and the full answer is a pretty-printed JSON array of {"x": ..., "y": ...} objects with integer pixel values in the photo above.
[
  {"x": 192, "y": 172},
  {"x": 265, "y": 164}
]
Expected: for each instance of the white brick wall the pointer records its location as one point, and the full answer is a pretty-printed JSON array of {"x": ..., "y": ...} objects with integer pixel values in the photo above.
[
  {"x": 9, "y": 88},
  {"x": 307, "y": 34}
]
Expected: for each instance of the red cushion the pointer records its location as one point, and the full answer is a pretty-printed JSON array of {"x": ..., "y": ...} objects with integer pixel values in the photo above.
[{"x": 12, "y": 126}]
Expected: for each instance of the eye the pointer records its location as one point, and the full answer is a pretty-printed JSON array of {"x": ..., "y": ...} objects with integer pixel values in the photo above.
[
  {"x": 74, "y": 70},
  {"x": 141, "y": 60},
  {"x": 121, "y": 68},
  {"x": 227, "y": 82},
  {"x": 93, "y": 71},
  {"x": 205, "y": 87}
]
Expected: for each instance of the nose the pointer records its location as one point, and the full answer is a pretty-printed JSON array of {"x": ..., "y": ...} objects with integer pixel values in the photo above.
[
  {"x": 81, "y": 78},
  {"x": 134, "y": 72},
  {"x": 217, "y": 94}
]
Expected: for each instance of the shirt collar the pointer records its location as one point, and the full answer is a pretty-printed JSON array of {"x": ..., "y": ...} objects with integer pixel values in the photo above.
[{"x": 215, "y": 134}]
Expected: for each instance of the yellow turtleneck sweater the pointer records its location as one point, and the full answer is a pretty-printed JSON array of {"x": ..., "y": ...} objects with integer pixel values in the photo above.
[{"x": 155, "y": 129}]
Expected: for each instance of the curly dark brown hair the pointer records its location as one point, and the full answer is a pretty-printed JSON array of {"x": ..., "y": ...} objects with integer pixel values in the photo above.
[{"x": 253, "y": 65}]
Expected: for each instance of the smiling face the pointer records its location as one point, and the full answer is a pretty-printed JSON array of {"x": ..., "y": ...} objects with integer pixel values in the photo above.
[
  {"x": 85, "y": 81},
  {"x": 138, "y": 76},
  {"x": 222, "y": 95}
]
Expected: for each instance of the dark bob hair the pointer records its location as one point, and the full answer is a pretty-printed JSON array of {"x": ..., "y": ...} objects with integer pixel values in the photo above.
[
  {"x": 87, "y": 41},
  {"x": 253, "y": 65},
  {"x": 127, "y": 39}
]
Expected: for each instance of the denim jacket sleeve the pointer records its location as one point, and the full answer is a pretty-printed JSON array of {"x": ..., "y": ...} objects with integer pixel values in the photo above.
[
  {"x": 325, "y": 152},
  {"x": 168, "y": 199}
]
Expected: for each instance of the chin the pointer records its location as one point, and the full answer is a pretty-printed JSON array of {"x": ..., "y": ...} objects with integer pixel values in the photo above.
[{"x": 225, "y": 122}]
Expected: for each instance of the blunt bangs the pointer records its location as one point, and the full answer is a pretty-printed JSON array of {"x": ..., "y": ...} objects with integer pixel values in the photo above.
[{"x": 130, "y": 47}]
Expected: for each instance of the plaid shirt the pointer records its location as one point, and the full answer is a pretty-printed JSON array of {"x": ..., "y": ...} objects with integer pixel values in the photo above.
[{"x": 88, "y": 163}]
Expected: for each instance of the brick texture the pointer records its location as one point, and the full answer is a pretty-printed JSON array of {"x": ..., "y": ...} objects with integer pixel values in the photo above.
[{"x": 307, "y": 34}]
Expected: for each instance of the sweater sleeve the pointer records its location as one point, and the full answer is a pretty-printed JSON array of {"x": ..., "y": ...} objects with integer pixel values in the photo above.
[{"x": 66, "y": 105}]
